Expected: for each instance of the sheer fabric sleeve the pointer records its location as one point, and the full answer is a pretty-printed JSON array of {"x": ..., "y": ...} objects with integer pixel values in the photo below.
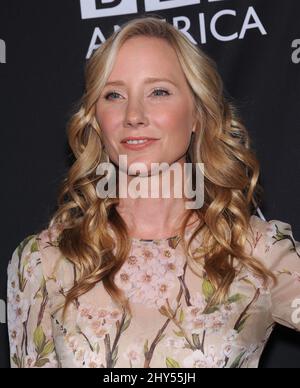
[
  {"x": 29, "y": 322},
  {"x": 283, "y": 258}
]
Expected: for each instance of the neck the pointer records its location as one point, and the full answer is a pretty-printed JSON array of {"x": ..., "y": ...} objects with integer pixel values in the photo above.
[{"x": 148, "y": 217}]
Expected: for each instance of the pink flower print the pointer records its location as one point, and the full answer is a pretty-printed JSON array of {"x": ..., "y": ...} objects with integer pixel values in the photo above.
[
  {"x": 164, "y": 258},
  {"x": 227, "y": 349},
  {"x": 133, "y": 263},
  {"x": 198, "y": 300},
  {"x": 196, "y": 321},
  {"x": 86, "y": 312},
  {"x": 270, "y": 232},
  {"x": 174, "y": 267},
  {"x": 100, "y": 328},
  {"x": 20, "y": 309},
  {"x": 29, "y": 361},
  {"x": 146, "y": 279},
  {"x": 131, "y": 270},
  {"x": 133, "y": 354},
  {"x": 199, "y": 360},
  {"x": 196, "y": 325},
  {"x": 14, "y": 333},
  {"x": 91, "y": 313},
  {"x": 257, "y": 283},
  {"x": 145, "y": 287},
  {"x": 228, "y": 309},
  {"x": 146, "y": 253},
  {"x": 30, "y": 358},
  {"x": 79, "y": 354},
  {"x": 167, "y": 255},
  {"x": 114, "y": 315},
  {"x": 93, "y": 360},
  {"x": 11, "y": 295},
  {"x": 250, "y": 351},
  {"x": 34, "y": 258},
  {"x": 164, "y": 290},
  {"x": 231, "y": 336},
  {"x": 123, "y": 279},
  {"x": 13, "y": 284},
  {"x": 29, "y": 271},
  {"x": 229, "y": 344},
  {"x": 138, "y": 296},
  {"x": 296, "y": 276},
  {"x": 192, "y": 313},
  {"x": 216, "y": 321},
  {"x": 96, "y": 322},
  {"x": 72, "y": 341},
  {"x": 159, "y": 268},
  {"x": 177, "y": 343},
  {"x": 102, "y": 313}
]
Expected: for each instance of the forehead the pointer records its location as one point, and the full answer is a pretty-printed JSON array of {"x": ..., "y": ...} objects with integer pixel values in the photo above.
[{"x": 146, "y": 57}]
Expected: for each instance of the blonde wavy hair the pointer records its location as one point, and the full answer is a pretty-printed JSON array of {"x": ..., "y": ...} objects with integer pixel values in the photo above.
[{"x": 221, "y": 142}]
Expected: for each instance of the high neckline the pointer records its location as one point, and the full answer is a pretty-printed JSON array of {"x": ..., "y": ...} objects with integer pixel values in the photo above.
[
  {"x": 189, "y": 229},
  {"x": 165, "y": 239}
]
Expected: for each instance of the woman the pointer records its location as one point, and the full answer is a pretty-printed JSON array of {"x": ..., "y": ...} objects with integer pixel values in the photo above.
[{"x": 146, "y": 282}]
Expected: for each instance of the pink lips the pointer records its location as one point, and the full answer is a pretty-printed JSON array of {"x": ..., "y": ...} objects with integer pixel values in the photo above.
[
  {"x": 137, "y": 138},
  {"x": 138, "y": 146}
]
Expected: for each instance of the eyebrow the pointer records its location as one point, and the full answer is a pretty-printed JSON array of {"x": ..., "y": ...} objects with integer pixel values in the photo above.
[{"x": 147, "y": 81}]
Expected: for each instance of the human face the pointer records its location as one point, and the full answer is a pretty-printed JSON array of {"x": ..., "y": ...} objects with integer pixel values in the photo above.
[{"x": 162, "y": 110}]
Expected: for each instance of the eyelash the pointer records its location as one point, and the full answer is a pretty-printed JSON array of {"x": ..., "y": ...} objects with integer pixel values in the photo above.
[{"x": 156, "y": 90}]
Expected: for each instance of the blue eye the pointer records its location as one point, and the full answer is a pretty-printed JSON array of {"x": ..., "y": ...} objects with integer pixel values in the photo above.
[
  {"x": 155, "y": 91},
  {"x": 161, "y": 90},
  {"x": 109, "y": 94}
]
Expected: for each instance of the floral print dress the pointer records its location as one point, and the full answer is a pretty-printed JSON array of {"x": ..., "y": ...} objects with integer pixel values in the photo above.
[{"x": 171, "y": 324}]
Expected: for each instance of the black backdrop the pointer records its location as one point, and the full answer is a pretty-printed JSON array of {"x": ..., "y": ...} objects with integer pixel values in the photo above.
[{"x": 43, "y": 48}]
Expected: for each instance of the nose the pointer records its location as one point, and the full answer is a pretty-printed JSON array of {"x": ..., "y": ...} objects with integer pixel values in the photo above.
[{"x": 135, "y": 115}]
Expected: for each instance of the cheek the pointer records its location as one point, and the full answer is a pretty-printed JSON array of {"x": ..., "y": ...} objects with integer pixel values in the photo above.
[
  {"x": 105, "y": 120},
  {"x": 108, "y": 125},
  {"x": 175, "y": 119},
  {"x": 177, "y": 131}
]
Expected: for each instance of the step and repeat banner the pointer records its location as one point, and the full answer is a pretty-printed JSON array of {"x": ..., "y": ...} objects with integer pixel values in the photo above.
[{"x": 43, "y": 48}]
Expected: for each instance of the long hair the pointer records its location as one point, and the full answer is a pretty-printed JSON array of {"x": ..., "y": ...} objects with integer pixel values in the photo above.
[{"x": 220, "y": 141}]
